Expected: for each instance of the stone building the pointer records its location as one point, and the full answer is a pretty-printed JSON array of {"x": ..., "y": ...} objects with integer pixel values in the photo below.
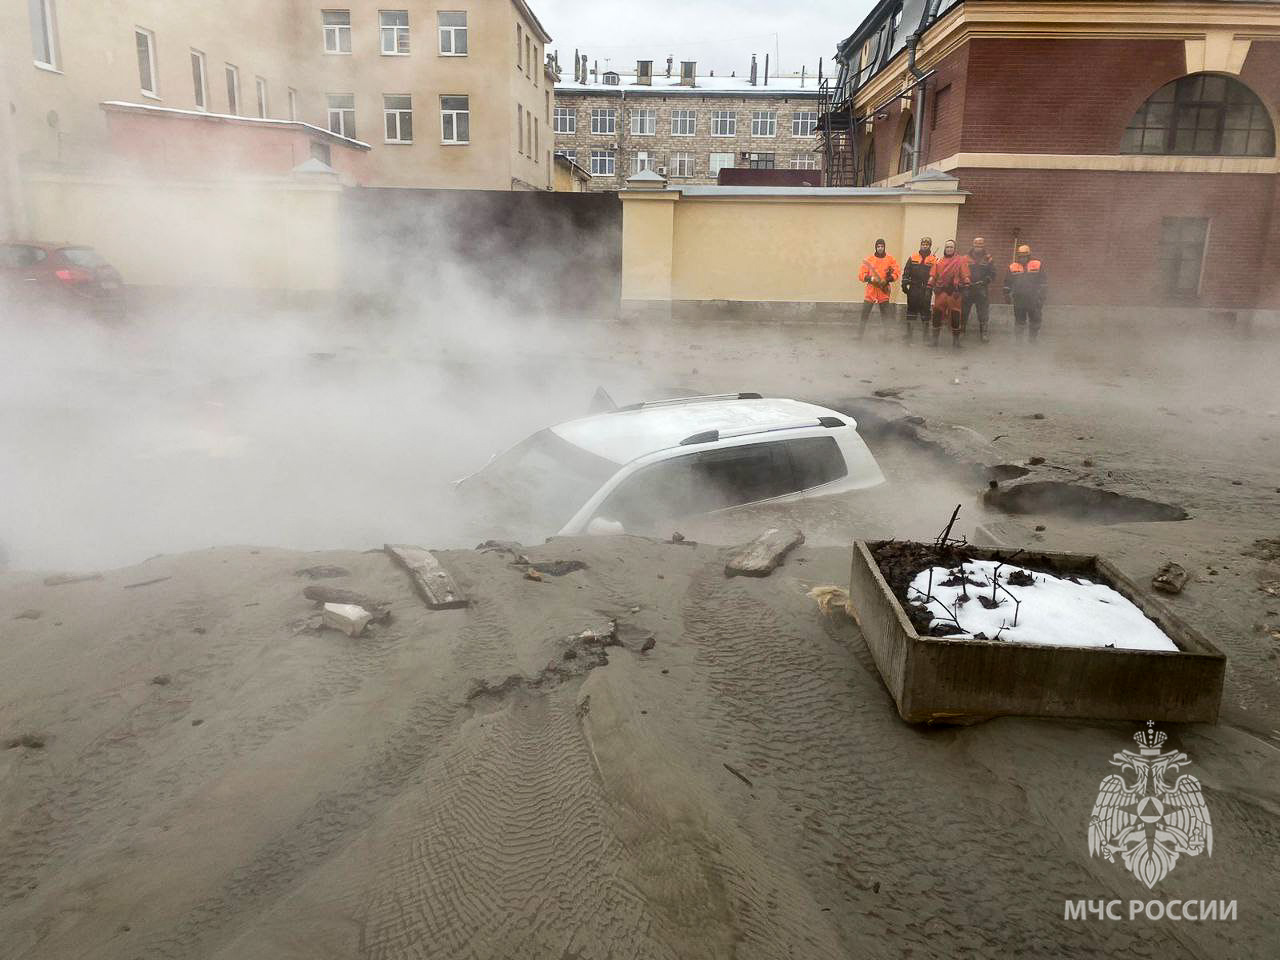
[
  {"x": 438, "y": 95},
  {"x": 683, "y": 126},
  {"x": 1132, "y": 144}
]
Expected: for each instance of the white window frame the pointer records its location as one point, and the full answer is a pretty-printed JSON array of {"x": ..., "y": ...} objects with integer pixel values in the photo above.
[
  {"x": 713, "y": 170},
  {"x": 679, "y": 161},
  {"x": 335, "y": 32},
  {"x": 231, "y": 74},
  {"x": 809, "y": 119},
  {"x": 605, "y": 158},
  {"x": 571, "y": 155},
  {"x": 46, "y": 33},
  {"x": 726, "y": 120},
  {"x": 764, "y": 120},
  {"x": 684, "y": 123},
  {"x": 644, "y": 122},
  {"x": 398, "y": 33},
  {"x": 264, "y": 101},
  {"x": 565, "y": 120},
  {"x": 293, "y": 104},
  {"x": 452, "y": 32},
  {"x": 599, "y": 116},
  {"x": 200, "y": 90},
  {"x": 453, "y": 114},
  {"x": 341, "y": 114},
  {"x": 398, "y": 114},
  {"x": 150, "y": 35},
  {"x": 643, "y": 160},
  {"x": 804, "y": 162}
]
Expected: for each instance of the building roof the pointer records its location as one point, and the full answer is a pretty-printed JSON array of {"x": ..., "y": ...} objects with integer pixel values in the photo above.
[
  {"x": 664, "y": 86},
  {"x": 624, "y": 435},
  {"x": 126, "y": 107},
  {"x": 533, "y": 20}
]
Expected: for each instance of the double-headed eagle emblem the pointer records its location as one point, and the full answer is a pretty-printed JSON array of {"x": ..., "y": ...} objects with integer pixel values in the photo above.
[{"x": 1150, "y": 821}]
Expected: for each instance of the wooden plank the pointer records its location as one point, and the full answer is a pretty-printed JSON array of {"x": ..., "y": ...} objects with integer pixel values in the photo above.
[
  {"x": 761, "y": 556},
  {"x": 433, "y": 583}
]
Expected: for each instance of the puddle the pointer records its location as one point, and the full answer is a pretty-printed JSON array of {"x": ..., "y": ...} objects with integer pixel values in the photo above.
[{"x": 1089, "y": 504}]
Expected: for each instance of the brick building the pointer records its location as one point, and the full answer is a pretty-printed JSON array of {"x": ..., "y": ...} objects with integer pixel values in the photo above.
[
  {"x": 1131, "y": 143},
  {"x": 683, "y": 126}
]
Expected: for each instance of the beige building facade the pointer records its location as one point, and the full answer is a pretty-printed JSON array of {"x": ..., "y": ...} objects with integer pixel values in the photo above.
[
  {"x": 445, "y": 94},
  {"x": 683, "y": 126}
]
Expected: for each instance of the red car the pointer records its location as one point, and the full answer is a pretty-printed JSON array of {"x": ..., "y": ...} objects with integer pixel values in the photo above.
[{"x": 50, "y": 276}]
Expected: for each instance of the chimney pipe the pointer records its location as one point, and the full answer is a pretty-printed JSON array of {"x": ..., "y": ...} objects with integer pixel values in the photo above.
[
  {"x": 766, "y": 69},
  {"x": 595, "y": 70},
  {"x": 577, "y": 66},
  {"x": 753, "y": 69},
  {"x": 802, "y": 68},
  {"x": 669, "y": 61}
]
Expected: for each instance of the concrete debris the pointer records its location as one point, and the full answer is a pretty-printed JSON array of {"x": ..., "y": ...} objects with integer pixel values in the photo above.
[
  {"x": 146, "y": 583},
  {"x": 379, "y": 610},
  {"x": 59, "y": 579},
  {"x": 433, "y": 583},
  {"x": 500, "y": 546},
  {"x": 557, "y": 568},
  {"x": 533, "y": 575},
  {"x": 161, "y": 680},
  {"x": 1036, "y": 461},
  {"x": 29, "y": 615},
  {"x": 762, "y": 555},
  {"x": 323, "y": 571},
  {"x": 350, "y": 618},
  {"x": 1170, "y": 578}
]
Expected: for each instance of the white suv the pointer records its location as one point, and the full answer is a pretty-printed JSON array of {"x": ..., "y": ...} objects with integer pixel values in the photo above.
[{"x": 638, "y": 467}]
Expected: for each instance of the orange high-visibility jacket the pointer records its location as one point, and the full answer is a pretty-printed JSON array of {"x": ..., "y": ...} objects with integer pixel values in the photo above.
[
  {"x": 878, "y": 273},
  {"x": 1026, "y": 286},
  {"x": 949, "y": 278}
]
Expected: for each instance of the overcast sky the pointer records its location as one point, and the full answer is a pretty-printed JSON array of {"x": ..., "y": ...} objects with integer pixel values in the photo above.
[{"x": 718, "y": 34}]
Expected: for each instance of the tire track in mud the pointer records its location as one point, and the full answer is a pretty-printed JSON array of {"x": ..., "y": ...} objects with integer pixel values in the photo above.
[
  {"x": 511, "y": 854},
  {"x": 330, "y": 821},
  {"x": 864, "y": 800},
  {"x": 109, "y": 786}
]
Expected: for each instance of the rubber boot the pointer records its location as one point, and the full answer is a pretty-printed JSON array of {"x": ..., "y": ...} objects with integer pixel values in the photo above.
[
  {"x": 955, "y": 340},
  {"x": 924, "y": 333},
  {"x": 909, "y": 335},
  {"x": 982, "y": 333},
  {"x": 937, "y": 334}
]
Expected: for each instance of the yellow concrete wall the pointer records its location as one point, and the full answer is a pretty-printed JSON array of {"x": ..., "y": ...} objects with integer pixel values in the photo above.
[
  {"x": 265, "y": 235},
  {"x": 784, "y": 247}
]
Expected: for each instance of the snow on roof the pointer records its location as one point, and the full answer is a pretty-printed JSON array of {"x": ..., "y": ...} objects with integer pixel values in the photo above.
[
  {"x": 624, "y": 435},
  {"x": 663, "y": 86},
  {"x": 205, "y": 115}
]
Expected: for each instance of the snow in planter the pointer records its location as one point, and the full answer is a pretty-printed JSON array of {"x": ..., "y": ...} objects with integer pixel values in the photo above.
[{"x": 1051, "y": 610}]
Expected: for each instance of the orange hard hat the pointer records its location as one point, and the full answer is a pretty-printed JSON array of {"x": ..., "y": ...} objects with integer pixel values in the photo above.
[{"x": 1024, "y": 248}]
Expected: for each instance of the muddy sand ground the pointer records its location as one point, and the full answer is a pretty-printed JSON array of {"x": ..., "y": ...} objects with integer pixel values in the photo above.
[{"x": 217, "y": 778}]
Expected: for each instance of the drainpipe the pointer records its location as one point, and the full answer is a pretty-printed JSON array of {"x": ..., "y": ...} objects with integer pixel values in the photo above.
[{"x": 918, "y": 117}]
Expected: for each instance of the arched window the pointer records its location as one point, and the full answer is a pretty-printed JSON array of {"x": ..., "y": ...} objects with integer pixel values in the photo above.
[
  {"x": 1204, "y": 114},
  {"x": 905, "y": 151},
  {"x": 868, "y": 173}
]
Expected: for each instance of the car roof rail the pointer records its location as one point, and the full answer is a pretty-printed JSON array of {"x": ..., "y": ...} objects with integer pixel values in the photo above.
[
  {"x": 706, "y": 398},
  {"x": 711, "y": 436}
]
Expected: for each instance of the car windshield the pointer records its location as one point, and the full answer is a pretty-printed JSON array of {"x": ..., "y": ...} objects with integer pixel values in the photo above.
[
  {"x": 543, "y": 481},
  {"x": 83, "y": 256}
]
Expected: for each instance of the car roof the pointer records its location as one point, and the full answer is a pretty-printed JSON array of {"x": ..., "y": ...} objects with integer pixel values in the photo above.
[{"x": 623, "y": 435}]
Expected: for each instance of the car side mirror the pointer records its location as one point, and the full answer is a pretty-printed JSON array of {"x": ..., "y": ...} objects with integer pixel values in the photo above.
[{"x": 604, "y": 527}]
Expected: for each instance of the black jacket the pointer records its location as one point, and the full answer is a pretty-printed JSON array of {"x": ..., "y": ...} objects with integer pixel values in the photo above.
[
  {"x": 1026, "y": 286},
  {"x": 981, "y": 273}
]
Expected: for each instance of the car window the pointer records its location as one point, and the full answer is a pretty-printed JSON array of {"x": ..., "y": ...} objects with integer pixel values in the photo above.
[
  {"x": 702, "y": 482},
  {"x": 816, "y": 460},
  {"x": 20, "y": 255},
  {"x": 83, "y": 256}
]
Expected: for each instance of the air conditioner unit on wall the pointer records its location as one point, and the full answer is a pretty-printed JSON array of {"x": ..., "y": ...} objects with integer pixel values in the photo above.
[{"x": 662, "y": 171}]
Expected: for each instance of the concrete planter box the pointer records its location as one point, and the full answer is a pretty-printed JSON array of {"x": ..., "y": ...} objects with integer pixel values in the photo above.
[{"x": 940, "y": 680}]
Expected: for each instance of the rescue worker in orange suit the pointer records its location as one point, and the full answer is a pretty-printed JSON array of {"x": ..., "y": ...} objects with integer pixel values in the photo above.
[
  {"x": 1026, "y": 287},
  {"x": 948, "y": 280},
  {"x": 978, "y": 297},
  {"x": 915, "y": 284},
  {"x": 878, "y": 272}
]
